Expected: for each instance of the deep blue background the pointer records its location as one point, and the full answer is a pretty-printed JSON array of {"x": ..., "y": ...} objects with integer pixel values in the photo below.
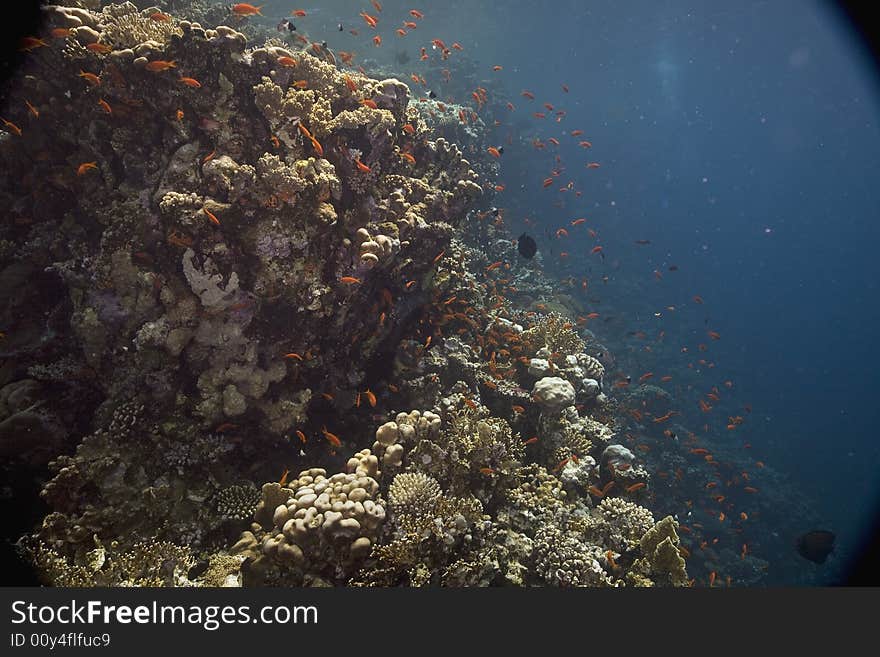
[{"x": 741, "y": 138}]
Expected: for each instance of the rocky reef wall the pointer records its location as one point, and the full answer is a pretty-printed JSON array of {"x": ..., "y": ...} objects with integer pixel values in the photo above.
[{"x": 225, "y": 263}]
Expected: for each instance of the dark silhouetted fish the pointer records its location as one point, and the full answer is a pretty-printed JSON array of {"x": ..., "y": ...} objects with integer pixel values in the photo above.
[
  {"x": 816, "y": 545},
  {"x": 527, "y": 247}
]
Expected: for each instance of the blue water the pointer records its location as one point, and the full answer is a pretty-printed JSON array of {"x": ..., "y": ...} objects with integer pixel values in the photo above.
[{"x": 741, "y": 139}]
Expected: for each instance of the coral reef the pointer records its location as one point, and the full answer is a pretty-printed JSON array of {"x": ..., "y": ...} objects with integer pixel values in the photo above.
[{"x": 247, "y": 268}]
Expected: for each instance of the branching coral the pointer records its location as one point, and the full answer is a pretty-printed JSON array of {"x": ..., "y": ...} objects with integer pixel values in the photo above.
[
  {"x": 554, "y": 333},
  {"x": 123, "y": 26}
]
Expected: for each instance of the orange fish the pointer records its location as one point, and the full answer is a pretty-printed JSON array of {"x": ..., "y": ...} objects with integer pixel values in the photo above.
[
  {"x": 578, "y": 222},
  {"x": 29, "y": 43},
  {"x": 293, "y": 355},
  {"x": 299, "y": 13},
  {"x": 99, "y": 48},
  {"x": 531, "y": 441},
  {"x": 289, "y": 62},
  {"x": 331, "y": 438},
  {"x": 244, "y": 9},
  {"x": 377, "y": 40},
  {"x": 494, "y": 152},
  {"x": 349, "y": 280},
  {"x": 561, "y": 465},
  {"x": 363, "y": 168},
  {"x": 408, "y": 129},
  {"x": 593, "y": 165},
  {"x": 33, "y": 110},
  {"x": 180, "y": 115},
  {"x": 191, "y": 82},
  {"x": 160, "y": 65},
  {"x": 644, "y": 377},
  {"x": 301, "y": 436},
  {"x": 400, "y": 31},
  {"x": 585, "y": 144},
  {"x": 371, "y": 398},
  {"x": 283, "y": 479},
  {"x": 408, "y": 157},
  {"x": 596, "y": 249},
  {"x": 636, "y": 487},
  {"x": 105, "y": 106},
  {"x": 301, "y": 84},
  {"x": 12, "y": 127},
  {"x": 61, "y": 32},
  {"x": 372, "y": 21},
  {"x": 91, "y": 78},
  {"x": 415, "y": 13},
  {"x": 487, "y": 471},
  {"x": 712, "y": 577},
  {"x": 85, "y": 166},
  {"x": 698, "y": 299},
  {"x": 159, "y": 17},
  {"x": 211, "y": 216},
  {"x": 528, "y": 94},
  {"x": 714, "y": 335}
]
